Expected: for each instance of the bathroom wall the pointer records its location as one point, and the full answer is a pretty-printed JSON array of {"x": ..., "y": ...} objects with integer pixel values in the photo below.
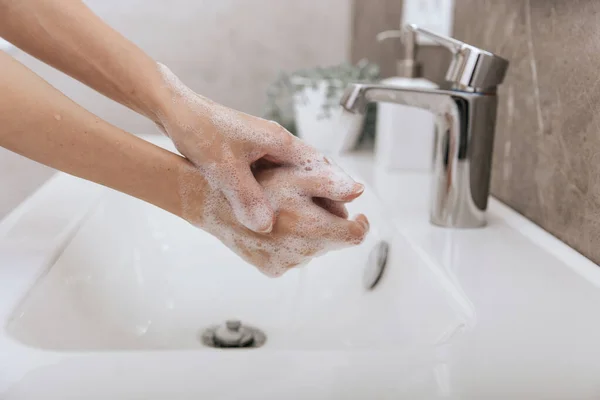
[
  {"x": 228, "y": 50},
  {"x": 547, "y": 149},
  {"x": 369, "y": 17}
]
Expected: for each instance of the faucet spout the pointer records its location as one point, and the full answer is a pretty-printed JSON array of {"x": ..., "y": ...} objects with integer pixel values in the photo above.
[
  {"x": 357, "y": 96},
  {"x": 465, "y": 123}
]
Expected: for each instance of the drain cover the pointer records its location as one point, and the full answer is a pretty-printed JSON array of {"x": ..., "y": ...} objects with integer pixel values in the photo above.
[
  {"x": 233, "y": 334},
  {"x": 376, "y": 265}
]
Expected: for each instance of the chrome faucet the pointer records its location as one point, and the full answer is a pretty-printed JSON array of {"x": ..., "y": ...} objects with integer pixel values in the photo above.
[{"x": 465, "y": 124}]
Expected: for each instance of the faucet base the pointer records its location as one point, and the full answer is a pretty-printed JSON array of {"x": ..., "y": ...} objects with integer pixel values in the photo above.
[{"x": 459, "y": 225}]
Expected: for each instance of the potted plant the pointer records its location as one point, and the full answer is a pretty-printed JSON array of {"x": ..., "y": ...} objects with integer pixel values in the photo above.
[{"x": 306, "y": 102}]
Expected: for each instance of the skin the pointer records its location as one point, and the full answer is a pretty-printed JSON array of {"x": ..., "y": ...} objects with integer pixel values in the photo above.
[
  {"x": 68, "y": 36},
  {"x": 269, "y": 197},
  {"x": 40, "y": 123},
  {"x": 305, "y": 227}
]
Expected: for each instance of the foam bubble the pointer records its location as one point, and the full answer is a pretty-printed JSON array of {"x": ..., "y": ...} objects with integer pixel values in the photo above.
[{"x": 302, "y": 231}]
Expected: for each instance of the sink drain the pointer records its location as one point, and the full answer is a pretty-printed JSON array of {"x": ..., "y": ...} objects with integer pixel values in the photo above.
[
  {"x": 376, "y": 265},
  {"x": 233, "y": 334}
]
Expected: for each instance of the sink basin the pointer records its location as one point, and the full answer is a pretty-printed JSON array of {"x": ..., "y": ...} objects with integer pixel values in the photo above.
[
  {"x": 134, "y": 277},
  {"x": 104, "y": 296}
]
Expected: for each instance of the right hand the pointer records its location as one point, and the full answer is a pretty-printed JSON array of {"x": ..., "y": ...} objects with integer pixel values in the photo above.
[{"x": 306, "y": 224}]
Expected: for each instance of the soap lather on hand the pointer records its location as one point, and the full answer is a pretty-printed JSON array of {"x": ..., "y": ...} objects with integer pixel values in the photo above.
[
  {"x": 271, "y": 198},
  {"x": 310, "y": 217}
]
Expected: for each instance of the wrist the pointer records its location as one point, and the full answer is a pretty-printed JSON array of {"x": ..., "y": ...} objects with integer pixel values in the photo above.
[
  {"x": 177, "y": 105},
  {"x": 161, "y": 105},
  {"x": 192, "y": 194}
]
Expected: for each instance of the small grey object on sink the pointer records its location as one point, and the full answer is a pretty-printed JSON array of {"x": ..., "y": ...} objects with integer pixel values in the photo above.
[
  {"x": 376, "y": 265},
  {"x": 232, "y": 334}
]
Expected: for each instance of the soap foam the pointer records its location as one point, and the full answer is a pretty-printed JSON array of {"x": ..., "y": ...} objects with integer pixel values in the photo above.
[
  {"x": 303, "y": 230},
  {"x": 223, "y": 149}
]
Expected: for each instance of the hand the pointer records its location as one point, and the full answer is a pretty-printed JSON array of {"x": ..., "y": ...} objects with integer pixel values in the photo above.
[
  {"x": 307, "y": 225},
  {"x": 224, "y": 144}
]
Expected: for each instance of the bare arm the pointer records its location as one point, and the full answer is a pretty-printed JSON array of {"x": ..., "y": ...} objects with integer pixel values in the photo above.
[
  {"x": 40, "y": 123},
  {"x": 71, "y": 38}
]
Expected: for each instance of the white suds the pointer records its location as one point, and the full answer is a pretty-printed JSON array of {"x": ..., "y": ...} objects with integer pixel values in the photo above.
[{"x": 222, "y": 143}]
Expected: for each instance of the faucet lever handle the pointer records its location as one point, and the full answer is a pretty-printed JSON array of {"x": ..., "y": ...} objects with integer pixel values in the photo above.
[
  {"x": 450, "y": 43},
  {"x": 391, "y": 34},
  {"x": 407, "y": 66},
  {"x": 472, "y": 69}
]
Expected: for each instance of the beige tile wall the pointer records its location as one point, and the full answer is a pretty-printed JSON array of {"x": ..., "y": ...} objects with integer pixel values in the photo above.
[
  {"x": 547, "y": 150},
  {"x": 228, "y": 50}
]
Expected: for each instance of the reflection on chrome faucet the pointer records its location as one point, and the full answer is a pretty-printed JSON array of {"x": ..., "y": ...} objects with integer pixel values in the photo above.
[{"x": 465, "y": 123}]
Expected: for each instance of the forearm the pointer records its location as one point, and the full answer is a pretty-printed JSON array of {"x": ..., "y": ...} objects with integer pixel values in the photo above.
[
  {"x": 40, "y": 123},
  {"x": 71, "y": 38}
]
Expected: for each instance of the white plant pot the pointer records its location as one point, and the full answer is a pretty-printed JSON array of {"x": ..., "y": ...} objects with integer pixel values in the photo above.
[{"x": 336, "y": 131}]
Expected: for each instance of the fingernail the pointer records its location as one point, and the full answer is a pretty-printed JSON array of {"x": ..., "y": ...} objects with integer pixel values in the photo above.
[
  {"x": 359, "y": 187},
  {"x": 268, "y": 229},
  {"x": 364, "y": 221}
]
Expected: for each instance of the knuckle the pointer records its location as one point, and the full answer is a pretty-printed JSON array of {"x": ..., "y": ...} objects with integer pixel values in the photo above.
[
  {"x": 356, "y": 233},
  {"x": 281, "y": 133}
]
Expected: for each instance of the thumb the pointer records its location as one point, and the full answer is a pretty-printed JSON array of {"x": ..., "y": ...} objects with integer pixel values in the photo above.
[{"x": 249, "y": 203}]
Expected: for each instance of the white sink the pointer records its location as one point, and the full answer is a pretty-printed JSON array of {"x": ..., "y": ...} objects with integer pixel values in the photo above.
[
  {"x": 103, "y": 296},
  {"x": 133, "y": 277}
]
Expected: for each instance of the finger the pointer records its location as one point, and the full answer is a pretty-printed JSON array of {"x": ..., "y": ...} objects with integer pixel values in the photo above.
[
  {"x": 249, "y": 202},
  {"x": 284, "y": 148},
  {"x": 347, "y": 232},
  {"x": 356, "y": 229},
  {"x": 326, "y": 186},
  {"x": 335, "y": 207},
  {"x": 340, "y": 230}
]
